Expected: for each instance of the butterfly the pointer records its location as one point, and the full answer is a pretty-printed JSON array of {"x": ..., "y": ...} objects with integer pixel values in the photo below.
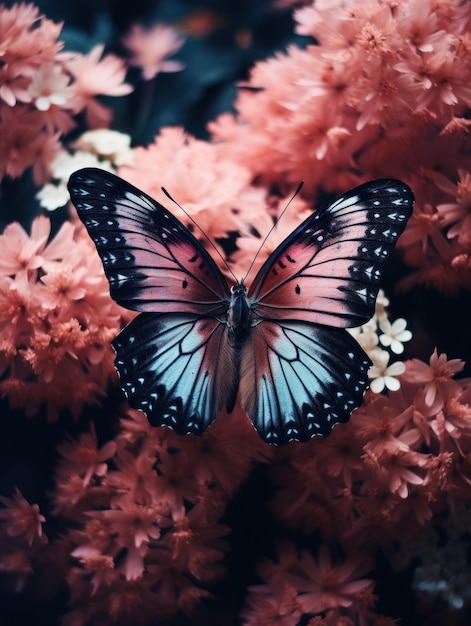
[{"x": 280, "y": 342}]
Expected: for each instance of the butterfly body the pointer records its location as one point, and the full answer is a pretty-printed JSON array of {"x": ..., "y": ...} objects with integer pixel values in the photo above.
[
  {"x": 239, "y": 316},
  {"x": 279, "y": 343}
]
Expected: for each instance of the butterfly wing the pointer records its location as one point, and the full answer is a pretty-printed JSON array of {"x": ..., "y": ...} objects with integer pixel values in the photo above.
[
  {"x": 328, "y": 270},
  {"x": 152, "y": 261},
  {"x": 177, "y": 368},
  {"x": 298, "y": 380}
]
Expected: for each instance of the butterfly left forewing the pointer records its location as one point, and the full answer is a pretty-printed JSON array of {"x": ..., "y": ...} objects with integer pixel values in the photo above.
[
  {"x": 152, "y": 261},
  {"x": 298, "y": 380},
  {"x": 177, "y": 368},
  {"x": 328, "y": 270}
]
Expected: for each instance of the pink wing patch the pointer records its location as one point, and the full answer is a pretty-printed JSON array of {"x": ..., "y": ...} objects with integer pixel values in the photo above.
[
  {"x": 328, "y": 270},
  {"x": 153, "y": 263}
]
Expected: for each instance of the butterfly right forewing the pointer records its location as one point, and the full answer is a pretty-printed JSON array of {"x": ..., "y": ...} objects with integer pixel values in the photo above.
[{"x": 328, "y": 270}]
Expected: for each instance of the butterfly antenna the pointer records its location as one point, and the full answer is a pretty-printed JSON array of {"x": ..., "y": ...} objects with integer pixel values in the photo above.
[
  {"x": 211, "y": 243},
  {"x": 298, "y": 189}
]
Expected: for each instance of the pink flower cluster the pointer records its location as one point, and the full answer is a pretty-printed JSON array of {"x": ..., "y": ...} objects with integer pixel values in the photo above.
[
  {"x": 56, "y": 319},
  {"x": 386, "y": 92},
  {"x": 219, "y": 196},
  {"x": 42, "y": 89},
  {"x": 144, "y": 536},
  {"x": 374, "y": 483}
]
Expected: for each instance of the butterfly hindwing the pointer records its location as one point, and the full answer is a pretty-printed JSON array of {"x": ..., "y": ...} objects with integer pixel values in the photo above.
[
  {"x": 152, "y": 261},
  {"x": 177, "y": 368},
  {"x": 328, "y": 270},
  {"x": 298, "y": 380}
]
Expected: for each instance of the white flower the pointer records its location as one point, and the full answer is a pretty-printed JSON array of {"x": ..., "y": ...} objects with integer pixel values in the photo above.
[
  {"x": 367, "y": 338},
  {"x": 382, "y": 374},
  {"x": 52, "y": 197},
  {"x": 111, "y": 144},
  {"x": 394, "y": 334},
  {"x": 66, "y": 164}
]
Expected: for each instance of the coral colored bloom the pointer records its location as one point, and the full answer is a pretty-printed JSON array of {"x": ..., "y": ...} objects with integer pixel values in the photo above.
[
  {"x": 95, "y": 76},
  {"x": 322, "y": 585},
  {"x": 21, "y": 518},
  {"x": 57, "y": 350},
  {"x": 151, "y": 47},
  {"x": 49, "y": 87},
  {"x": 84, "y": 459},
  {"x": 272, "y": 604},
  {"x": 436, "y": 377},
  {"x": 221, "y": 188}
]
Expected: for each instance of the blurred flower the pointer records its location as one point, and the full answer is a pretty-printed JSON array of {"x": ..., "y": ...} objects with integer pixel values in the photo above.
[
  {"x": 106, "y": 144},
  {"x": 49, "y": 86},
  {"x": 322, "y": 585},
  {"x": 299, "y": 586},
  {"x": 150, "y": 47},
  {"x": 221, "y": 188},
  {"x": 21, "y": 519},
  {"x": 22, "y": 541},
  {"x": 95, "y": 76},
  {"x": 52, "y": 197},
  {"x": 102, "y": 148}
]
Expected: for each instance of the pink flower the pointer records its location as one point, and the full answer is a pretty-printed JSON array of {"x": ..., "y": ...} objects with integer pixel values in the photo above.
[
  {"x": 221, "y": 188},
  {"x": 135, "y": 475},
  {"x": 457, "y": 214},
  {"x": 92, "y": 77},
  {"x": 133, "y": 526},
  {"x": 22, "y": 252},
  {"x": 436, "y": 378},
  {"x": 25, "y": 143},
  {"x": 323, "y": 585},
  {"x": 27, "y": 40},
  {"x": 83, "y": 457},
  {"x": 58, "y": 348},
  {"x": 49, "y": 87},
  {"x": 395, "y": 469},
  {"x": 150, "y": 47},
  {"x": 384, "y": 93},
  {"x": 21, "y": 518},
  {"x": 272, "y": 604}
]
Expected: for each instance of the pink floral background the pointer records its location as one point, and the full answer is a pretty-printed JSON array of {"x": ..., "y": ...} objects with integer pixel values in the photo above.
[{"x": 108, "y": 520}]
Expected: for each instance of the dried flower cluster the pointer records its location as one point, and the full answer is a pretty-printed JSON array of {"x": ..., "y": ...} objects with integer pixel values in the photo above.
[
  {"x": 385, "y": 92},
  {"x": 134, "y": 526},
  {"x": 375, "y": 482}
]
